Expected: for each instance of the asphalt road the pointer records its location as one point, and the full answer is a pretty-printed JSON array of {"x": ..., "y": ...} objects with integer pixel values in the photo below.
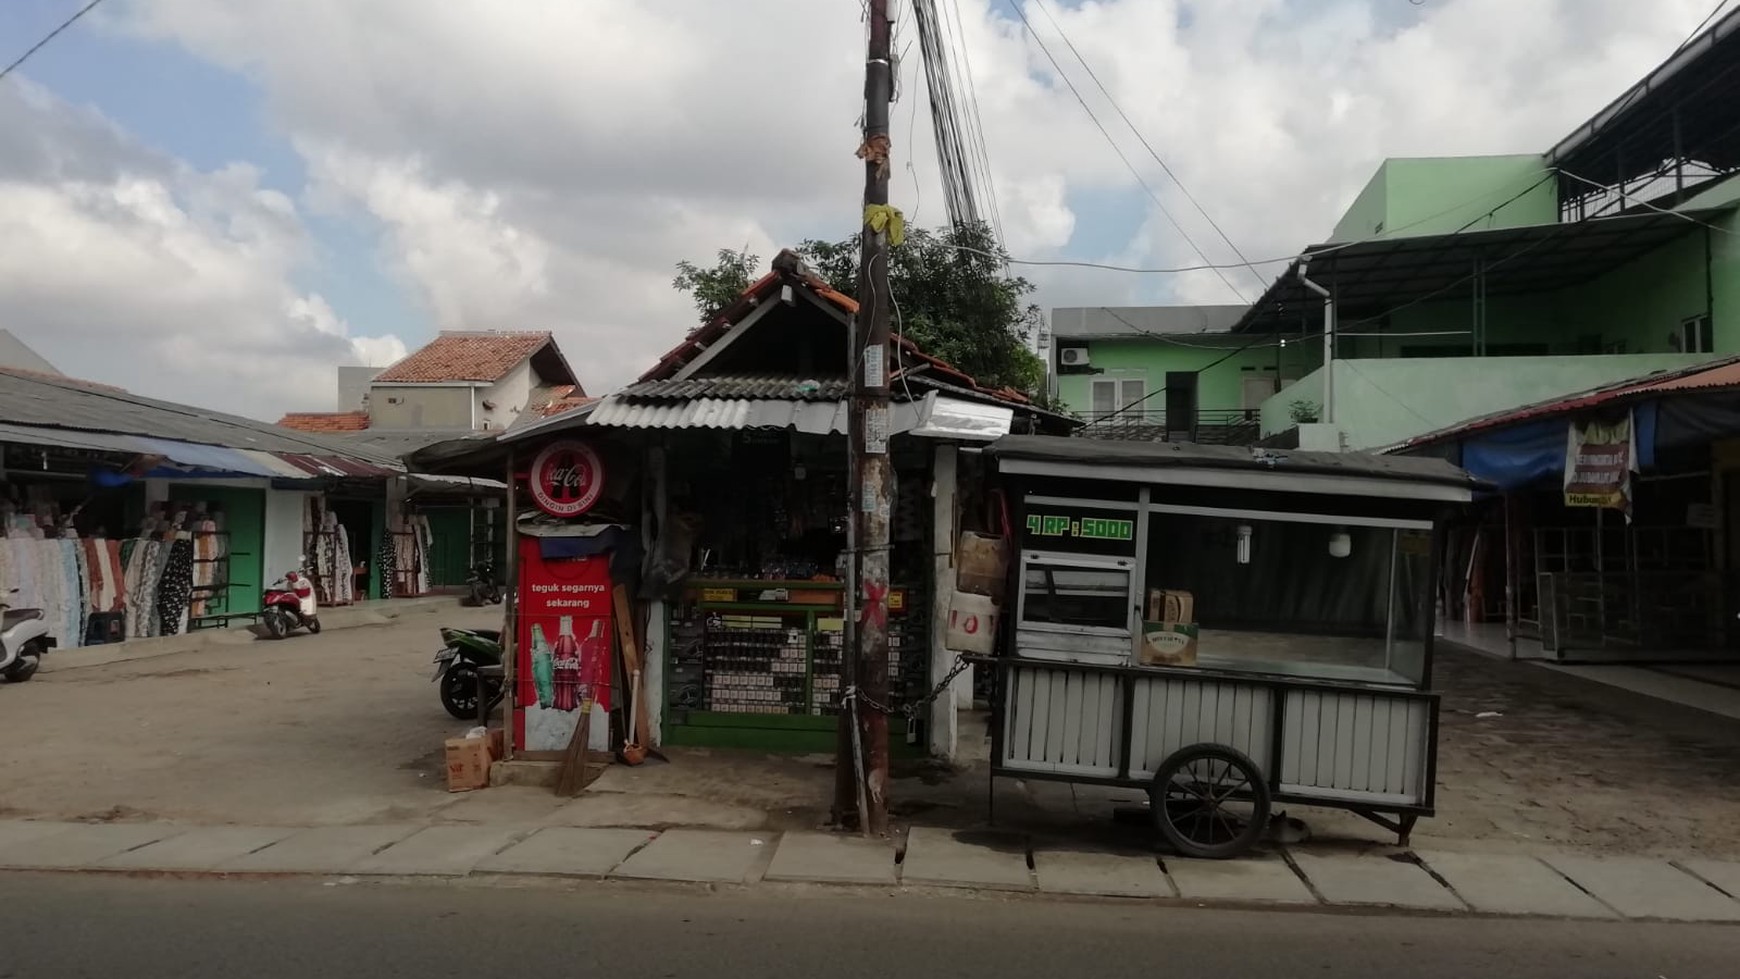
[{"x": 68, "y": 926}]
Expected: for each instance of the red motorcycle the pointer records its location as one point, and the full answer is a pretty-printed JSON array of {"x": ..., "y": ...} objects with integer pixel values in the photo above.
[{"x": 289, "y": 604}]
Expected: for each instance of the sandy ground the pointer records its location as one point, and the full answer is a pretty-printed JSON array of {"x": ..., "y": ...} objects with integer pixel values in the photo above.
[{"x": 346, "y": 728}]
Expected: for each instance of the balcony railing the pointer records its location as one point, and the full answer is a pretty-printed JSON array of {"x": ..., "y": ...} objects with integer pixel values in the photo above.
[{"x": 1238, "y": 426}]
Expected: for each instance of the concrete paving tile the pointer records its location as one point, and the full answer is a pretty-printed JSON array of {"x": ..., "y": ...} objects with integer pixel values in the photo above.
[
  {"x": 82, "y": 845},
  {"x": 566, "y": 851},
  {"x": 701, "y": 855},
  {"x": 1640, "y": 887},
  {"x": 1371, "y": 879},
  {"x": 1099, "y": 873},
  {"x": 200, "y": 848},
  {"x": 833, "y": 858},
  {"x": 1723, "y": 873},
  {"x": 448, "y": 851},
  {"x": 1513, "y": 884},
  {"x": 1265, "y": 879},
  {"x": 15, "y": 832},
  {"x": 944, "y": 858},
  {"x": 321, "y": 850}
]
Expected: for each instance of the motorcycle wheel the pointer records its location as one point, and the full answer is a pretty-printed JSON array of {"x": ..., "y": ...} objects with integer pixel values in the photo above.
[
  {"x": 478, "y": 596},
  {"x": 495, "y": 596},
  {"x": 314, "y": 626},
  {"x": 24, "y": 669},
  {"x": 273, "y": 621},
  {"x": 459, "y": 692}
]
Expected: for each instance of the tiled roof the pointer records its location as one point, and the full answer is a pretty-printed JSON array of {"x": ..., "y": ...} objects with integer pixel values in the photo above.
[
  {"x": 554, "y": 401},
  {"x": 465, "y": 356},
  {"x": 326, "y": 421},
  {"x": 788, "y": 268}
]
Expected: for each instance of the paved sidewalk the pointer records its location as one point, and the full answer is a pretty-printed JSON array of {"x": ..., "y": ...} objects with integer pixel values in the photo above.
[{"x": 1552, "y": 885}]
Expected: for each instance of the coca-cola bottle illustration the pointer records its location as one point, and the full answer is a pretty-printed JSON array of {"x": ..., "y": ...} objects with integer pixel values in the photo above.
[
  {"x": 543, "y": 668},
  {"x": 594, "y": 662},
  {"x": 566, "y": 663}
]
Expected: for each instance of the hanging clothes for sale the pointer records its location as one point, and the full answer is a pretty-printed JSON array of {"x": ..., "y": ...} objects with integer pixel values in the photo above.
[{"x": 175, "y": 586}]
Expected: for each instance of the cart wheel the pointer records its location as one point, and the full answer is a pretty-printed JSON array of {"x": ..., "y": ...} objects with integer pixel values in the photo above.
[{"x": 1210, "y": 801}]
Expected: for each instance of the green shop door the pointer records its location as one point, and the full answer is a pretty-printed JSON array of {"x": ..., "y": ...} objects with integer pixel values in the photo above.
[
  {"x": 449, "y": 546},
  {"x": 244, "y": 521}
]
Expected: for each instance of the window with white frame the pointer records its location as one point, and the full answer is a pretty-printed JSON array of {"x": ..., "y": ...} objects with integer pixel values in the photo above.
[
  {"x": 1111, "y": 395},
  {"x": 1696, "y": 336}
]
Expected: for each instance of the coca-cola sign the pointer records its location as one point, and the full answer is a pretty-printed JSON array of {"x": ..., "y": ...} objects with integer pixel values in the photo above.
[{"x": 566, "y": 478}]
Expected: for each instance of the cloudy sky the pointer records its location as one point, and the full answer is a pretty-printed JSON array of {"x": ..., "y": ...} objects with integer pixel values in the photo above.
[{"x": 217, "y": 202}]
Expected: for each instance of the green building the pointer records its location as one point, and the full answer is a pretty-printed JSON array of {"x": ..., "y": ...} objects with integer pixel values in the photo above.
[{"x": 1455, "y": 287}]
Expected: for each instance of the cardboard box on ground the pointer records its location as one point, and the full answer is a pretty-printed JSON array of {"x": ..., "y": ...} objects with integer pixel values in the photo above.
[
  {"x": 467, "y": 764},
  {"x": 1169, "y": 632}
]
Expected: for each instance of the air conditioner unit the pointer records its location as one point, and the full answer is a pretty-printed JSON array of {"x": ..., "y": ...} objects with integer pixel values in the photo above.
[{"x": 1073, "y": 356}]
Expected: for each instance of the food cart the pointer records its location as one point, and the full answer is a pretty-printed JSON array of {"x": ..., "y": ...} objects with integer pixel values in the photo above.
[{"x": 1226, "y": 627}]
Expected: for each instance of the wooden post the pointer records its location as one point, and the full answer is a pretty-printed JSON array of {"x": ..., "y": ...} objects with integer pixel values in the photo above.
[{"x": 510, "y": 604}]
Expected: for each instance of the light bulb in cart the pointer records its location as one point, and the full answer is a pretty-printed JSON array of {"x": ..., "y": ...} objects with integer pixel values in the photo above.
[{"x": 1244, "y": 551}]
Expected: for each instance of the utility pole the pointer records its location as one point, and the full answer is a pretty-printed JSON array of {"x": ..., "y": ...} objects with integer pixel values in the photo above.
[{"x": 872, "y": 473}]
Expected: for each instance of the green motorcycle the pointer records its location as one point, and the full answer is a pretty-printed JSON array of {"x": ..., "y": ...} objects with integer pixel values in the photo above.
[{"x": 456, "y": 665}]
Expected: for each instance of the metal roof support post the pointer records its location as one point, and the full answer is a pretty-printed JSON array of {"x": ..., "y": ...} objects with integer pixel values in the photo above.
[{"x": 1328, "y": 342}]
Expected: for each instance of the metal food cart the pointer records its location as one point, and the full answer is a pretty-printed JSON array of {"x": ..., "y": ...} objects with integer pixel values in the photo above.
[{"x": 1226, "y": 627}]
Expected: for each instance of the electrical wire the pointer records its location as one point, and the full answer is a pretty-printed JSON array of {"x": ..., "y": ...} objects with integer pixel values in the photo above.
[
  {"x": 976, "y": 123},
  {"x": 1285, "y": 259},
  {"x": 1015, "y": 5},
  {"x": 1693, "y": 36},
  {"x": 1046, "y": 10},
  {"x": 39, "y": 45}
]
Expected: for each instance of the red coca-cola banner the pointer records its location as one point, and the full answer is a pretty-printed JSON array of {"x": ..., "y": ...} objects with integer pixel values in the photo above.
[
  {"x": 564, "y": 649},
  {"x": 566, "y": 478}
]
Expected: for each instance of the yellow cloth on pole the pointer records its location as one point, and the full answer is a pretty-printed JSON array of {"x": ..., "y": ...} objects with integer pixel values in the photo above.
[{"x": 886, "y": 219}]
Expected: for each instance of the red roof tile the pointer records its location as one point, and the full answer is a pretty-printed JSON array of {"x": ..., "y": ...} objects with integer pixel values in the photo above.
[
  {"x": 326, "y": 421},
  {"x": 768, "y": 285},
  {"x": 562, "y": 398},
  {"x": 465, "y": 356}
]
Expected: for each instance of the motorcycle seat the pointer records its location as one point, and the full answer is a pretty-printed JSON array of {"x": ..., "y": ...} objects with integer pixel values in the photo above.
[{"x": 13, "y": 616}]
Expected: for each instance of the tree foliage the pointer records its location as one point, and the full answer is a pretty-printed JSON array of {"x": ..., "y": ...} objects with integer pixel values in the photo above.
[
  {"x": 715, "y": 288},
  {"x": 951, "y": 297}
]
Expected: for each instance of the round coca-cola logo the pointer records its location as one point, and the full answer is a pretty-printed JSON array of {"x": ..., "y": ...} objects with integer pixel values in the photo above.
[{"x": 566, "y": 478}]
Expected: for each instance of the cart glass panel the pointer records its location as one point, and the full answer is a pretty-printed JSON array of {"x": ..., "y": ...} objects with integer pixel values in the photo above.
[
  {"x": 1298, "y": 594},
  {"x": 1060, "y": 592}
]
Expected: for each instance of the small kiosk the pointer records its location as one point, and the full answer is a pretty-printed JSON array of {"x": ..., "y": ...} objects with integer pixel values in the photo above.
[{"x": 1227, "y": 627}]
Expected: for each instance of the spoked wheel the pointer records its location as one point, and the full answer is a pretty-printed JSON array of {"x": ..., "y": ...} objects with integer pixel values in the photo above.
[
  {"x": 1210, "y": 801},
  {"x": 459, "y": 692}
]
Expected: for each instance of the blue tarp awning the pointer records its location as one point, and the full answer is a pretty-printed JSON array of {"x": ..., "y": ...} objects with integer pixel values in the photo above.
[{"x": 1534, "y": 451}]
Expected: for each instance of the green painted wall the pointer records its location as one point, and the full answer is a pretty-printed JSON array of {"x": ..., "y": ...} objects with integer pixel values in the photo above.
[
  {"x": 1442, "y": 195},
  {"x": 1381, "y": 402},
  {"x": 1219, "y": 387},
  {"x": 245, "y": 518}
]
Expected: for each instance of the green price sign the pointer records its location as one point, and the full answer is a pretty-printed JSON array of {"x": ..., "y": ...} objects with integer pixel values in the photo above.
[{"x": 1083, "y": 528}]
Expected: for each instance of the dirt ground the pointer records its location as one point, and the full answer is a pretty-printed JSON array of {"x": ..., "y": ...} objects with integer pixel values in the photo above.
[{"x": 346, "y": 728}]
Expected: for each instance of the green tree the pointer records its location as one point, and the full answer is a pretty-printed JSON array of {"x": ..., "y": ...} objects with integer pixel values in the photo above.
[
  {"x": 718, "y": 287},
  {"x": 951, "y": 297}
]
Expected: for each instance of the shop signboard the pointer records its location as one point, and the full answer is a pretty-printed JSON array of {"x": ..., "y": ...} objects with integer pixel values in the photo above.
[
  {"x": 566, "y": 478},
  {"x": 1599, "y": 459},
  {"x": 563, "y": 649},
  {"x": 1075, "y": 529}
]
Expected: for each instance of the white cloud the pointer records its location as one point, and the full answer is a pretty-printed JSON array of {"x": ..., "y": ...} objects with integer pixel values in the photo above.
[
  {"x": 123, "y": 266},
  {"x": 545, "y": 163}
]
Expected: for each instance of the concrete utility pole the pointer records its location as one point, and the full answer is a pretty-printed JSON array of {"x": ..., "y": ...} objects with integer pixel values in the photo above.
[{"x": 873, "y": 474}]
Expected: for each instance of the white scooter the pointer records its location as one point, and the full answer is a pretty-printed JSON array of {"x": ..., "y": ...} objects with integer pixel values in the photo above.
[{"x": 24, "y": 639}]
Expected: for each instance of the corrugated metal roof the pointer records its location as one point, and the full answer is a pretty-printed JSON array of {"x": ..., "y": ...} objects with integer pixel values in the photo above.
[
  {"x": 1136, "y": 321},
  {"x": 1718, "y": 375},
  {"x": 66, "y": 405},
  {"x": 1090, "y": 453},
  {"x": 737, "y": 386},
  {"x": 721, "y": 413}
]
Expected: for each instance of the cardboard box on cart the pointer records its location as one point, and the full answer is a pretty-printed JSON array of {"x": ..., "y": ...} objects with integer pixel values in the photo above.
[{"x": 1169, "y": 632}]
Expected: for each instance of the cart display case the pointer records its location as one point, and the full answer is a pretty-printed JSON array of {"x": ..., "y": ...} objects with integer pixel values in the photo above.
[{"x": 1226, "y": 627}]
